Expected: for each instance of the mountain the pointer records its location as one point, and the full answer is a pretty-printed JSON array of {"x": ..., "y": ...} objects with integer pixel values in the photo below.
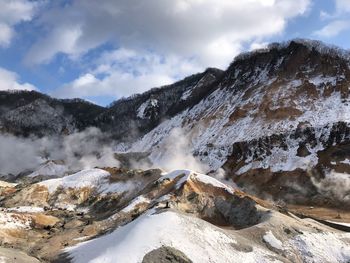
[
  {"x": 277, "y": 122},
  {"x": 32, "y": 113},
  {"x": 249, "y": 164},
  {"x": 133, "y": 117},
  {"x": 277, "y": 117}
]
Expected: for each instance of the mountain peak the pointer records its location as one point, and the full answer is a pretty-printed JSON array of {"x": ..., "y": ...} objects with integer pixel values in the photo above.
[
  {"x": 298, "y": 58},
  {"x": 297, "y": 44}
]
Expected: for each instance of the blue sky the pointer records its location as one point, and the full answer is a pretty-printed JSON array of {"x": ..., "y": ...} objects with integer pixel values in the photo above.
[{"x": 104, "y": 50}]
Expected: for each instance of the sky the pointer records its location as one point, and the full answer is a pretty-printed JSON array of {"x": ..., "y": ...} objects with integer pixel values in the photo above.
[{"x": 103, "y": 50}]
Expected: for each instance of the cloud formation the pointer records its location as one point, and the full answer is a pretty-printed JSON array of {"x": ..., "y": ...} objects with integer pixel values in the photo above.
[
  {"x": 334, "y": 28},
  {"x": 10, "y": 81},
  {"x": 168, "y": 34},
  {"x": 338, "y": 22},
  {"x": 12, "y": 13}
]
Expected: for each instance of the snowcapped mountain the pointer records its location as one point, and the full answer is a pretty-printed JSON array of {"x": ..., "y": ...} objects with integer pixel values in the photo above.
[
  {"x": 267, "y": 142},
  {"x": 275, "y": 112},
  {"x": 32, "y": 113},
  {"x": 280, "y": 114}
]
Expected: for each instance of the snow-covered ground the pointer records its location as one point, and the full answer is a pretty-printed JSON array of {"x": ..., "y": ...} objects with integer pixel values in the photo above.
[
  {"x": 322, "y": 247},
  {"x": 203, "y": 242},
  {"x": 91, "y": 178},
  {"x": 272, "y": 240},
  {"x": 197, "y": 239},
  {"x": 50, "y": 169},
  {"x": 26, "y": 209},
  {"x": 14, "y": 221}
]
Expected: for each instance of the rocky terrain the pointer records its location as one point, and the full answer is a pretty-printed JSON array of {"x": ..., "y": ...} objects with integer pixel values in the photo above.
[
  {"x": 113, "y": 214},
  {"x": 267, "y": 142}
]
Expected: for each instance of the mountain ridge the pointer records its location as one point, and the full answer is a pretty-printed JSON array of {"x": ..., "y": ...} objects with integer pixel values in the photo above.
[
  {"x": 249, "y": 164},
  {"x": 271, "y": 111}
]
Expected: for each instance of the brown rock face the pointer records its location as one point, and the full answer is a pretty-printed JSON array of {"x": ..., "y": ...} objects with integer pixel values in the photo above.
[
  {"x": 166, "y": 255},
  {"x": 296, "y": 185}
]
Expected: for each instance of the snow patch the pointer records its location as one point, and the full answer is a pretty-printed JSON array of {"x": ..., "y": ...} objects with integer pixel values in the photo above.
[
  {"x": 26, "y": 209},
  {"x": 272, "y": 240},
  {"x": 322, "y": 247},
  {"x": 149, "y": 103},
  {"x": 14, "y": 221},
  {"x": 187, "y": 175},
  {"x": 50, "y": 169},
  {"x": 346, "y": 161},
  {"x": 97, "y": 179},
  {"x": 138, "y": 200}
]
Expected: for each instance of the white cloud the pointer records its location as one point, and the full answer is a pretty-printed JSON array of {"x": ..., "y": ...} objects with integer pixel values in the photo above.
[
  {"x": 61, "y": 40},
  {"x": 174, "y": 37},
  {"x": 10, "y": 81},
  {"x": 333, "y": 28},
  {"x": 12, "y": 12},
  {"x": 338, "y": 21},
  {"x": 202, "y": 28},
  {"x": 258, "y": 45},
  {"x": 124, "y": 72},
  {"x": 343, "y": 5}
]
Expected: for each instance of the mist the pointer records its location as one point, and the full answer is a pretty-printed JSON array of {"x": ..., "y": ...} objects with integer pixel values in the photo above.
[
  {"x": 81, "y": 150},
  {"x": 176, "y": 153},
  {"x": 334, "y": 185}
]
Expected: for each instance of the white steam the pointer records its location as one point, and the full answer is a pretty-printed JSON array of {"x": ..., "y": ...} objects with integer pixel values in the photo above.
[
  {"x": 176, "y": 153},
  {"x": 334, "y": 185},
  {"x": 17, "y": 154},
  {"x": 80, "y": 150}
]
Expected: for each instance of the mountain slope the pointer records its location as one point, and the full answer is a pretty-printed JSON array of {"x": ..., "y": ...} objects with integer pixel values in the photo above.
[
  {"x": 276, "y": 114},
  {"x": 32, "y": 113},
  {"x": 282, "y": 109},
  {"x": 134, "y": 116}
]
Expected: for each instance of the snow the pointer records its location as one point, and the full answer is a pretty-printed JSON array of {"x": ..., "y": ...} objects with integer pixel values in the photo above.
[
  {"x": 134, "y": 203},
  {"x": 186, "y": 94},
  {"x": 14, "y": 221},
  {"x": 209, "y": 122},
  {"x": 26, "y": 209},
  {"x": 141, "y": 110},
  {"x": 187, "y": 175},
  {"x": 197, "y": 239},
  {"x": 83, "y": 238},
  {"x": 318, "y": 80},
  {"x": 322, "y": 247},
  {"x": 346, "y": 161},
  {"x": 174, "y": 174},
  {"x": 91, "y": 178},
  {"x": 85, "y": 178},
  {"x": 219, "y": 106},
  {"x": 339, "y": 223},
  {"x": 283, "y": 160},
  {"x": 212, "y": 181},
  {"x": 149, "y": 103},
  {"x": 272, "y": 240},
  {"x": 50, "y": 169},
  {"x": 310, "y": 44}
]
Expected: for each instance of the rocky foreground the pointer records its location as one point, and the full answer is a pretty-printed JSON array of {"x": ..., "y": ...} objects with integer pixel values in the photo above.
[{"x": 120, "y": 215}]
